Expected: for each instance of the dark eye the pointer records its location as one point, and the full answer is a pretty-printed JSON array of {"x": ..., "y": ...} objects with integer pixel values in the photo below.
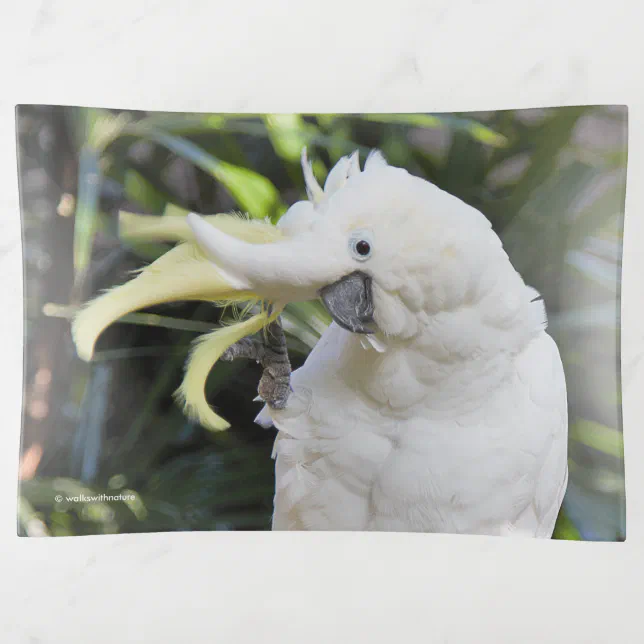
[{"x": 363, "y": 247}]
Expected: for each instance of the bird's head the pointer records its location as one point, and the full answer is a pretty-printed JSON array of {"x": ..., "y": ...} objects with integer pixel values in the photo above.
[{"x": 380, "y": 247}]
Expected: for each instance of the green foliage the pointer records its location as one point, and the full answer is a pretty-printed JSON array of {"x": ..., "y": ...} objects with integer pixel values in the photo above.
[
  {"x": 87, "y": 213},
  {"x": 565, "y": 529},
  {"x": 555, "y": 198}
]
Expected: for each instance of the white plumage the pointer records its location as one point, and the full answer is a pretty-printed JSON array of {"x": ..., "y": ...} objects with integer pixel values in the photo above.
[
  {"x": 392, "y": 452},
  {"x": 459, "y": 422}
]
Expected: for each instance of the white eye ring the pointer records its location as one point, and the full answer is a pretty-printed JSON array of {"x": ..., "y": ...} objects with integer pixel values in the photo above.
[{"x": 360, "y": 245}]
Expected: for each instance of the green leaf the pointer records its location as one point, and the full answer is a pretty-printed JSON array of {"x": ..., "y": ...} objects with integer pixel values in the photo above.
[
  {"x": 311, "y": 313},
  {"x": 254, "y": 193},
  {"x": 135, "y": 353},
  {"x": 395, "y": 147},
  {"x": 81, "y": 121},
  {"x": 549, "y": 139},
  {"x": 326, "y": 121},
  {"x": 599, "y": 437},
  {"x": 536, "y": 236},
  {"x": 30, "y": 520},
  {"x": 597, "y": 478},
  {"x": 106, "y": 129},
  {"x": 50, "y": 309},
  {"x": 151, "y": 172},
  {"x": 138, "y": 189},
  {"x": 86, "y": 217},
  {"x": 478, "y": 131},
  {"x": 300, "y": 345},
  {"x": 337, "y": 143},
  {"x": 135, "y": 504},
  {"x": 288, "y": 133},
  {"x": 295, "y": 327},
  {"x": 96, "y": 128},
  {"x": 417, "y": 120},
  {"x": 464, "y": 169},
  {"x": 306, "y": 321},
  {"x": 565, "y": 529},
  {"x": 177, "y": 123},
  {"x": 485, "y": 135},
  {"x": 99, "y": 128},
  {"x": 596, "y": 215}
]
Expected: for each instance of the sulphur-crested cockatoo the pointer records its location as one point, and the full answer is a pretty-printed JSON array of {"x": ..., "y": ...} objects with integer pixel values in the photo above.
[{"x": 435, "y": 401}]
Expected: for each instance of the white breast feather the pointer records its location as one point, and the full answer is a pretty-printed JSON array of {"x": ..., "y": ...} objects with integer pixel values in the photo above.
[{"x": 345, "y": 461}]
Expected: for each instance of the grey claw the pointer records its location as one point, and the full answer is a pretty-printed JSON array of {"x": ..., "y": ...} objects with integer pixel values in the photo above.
[
  {"x": 280, "y": 396},
  {"x": 274, "y": 385},
  {"x": 280, "y": 403},
  {"x": 246, "y": 348},
  {"x": 274, "y": 390}
]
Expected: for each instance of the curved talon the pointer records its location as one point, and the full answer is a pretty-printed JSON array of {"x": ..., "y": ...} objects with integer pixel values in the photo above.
[
  {"x": 228, "y": 355},
  {"x": 275, "y": 384},
  {"x": 274, "y": 388},
  {"x": 246, "y": 348},
  {"x": 278, "y": 403}
]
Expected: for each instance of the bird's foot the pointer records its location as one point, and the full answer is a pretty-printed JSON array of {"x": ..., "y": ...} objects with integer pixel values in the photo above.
[
  {"x": 275, "y": 383},
  {"x": 274, "y": 388},
  {"x": 248, "y": 348}
]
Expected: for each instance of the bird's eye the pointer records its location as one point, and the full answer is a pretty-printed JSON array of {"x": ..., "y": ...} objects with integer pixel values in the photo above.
[{"x": 361, "y": 246}]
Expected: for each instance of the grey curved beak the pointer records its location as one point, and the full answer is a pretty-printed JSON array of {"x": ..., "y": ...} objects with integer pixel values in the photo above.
[{"x": 349, "y": 302}]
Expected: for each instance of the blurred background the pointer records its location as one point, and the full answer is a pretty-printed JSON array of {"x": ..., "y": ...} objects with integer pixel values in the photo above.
[{"x": 551, "y": 181}]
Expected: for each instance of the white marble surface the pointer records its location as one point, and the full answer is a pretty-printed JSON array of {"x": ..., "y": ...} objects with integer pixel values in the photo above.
[{"x": 345, "y": 56}]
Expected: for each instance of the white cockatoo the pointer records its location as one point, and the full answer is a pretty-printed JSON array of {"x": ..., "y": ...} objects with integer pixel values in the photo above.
[{"x": 434, "y": 402}]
